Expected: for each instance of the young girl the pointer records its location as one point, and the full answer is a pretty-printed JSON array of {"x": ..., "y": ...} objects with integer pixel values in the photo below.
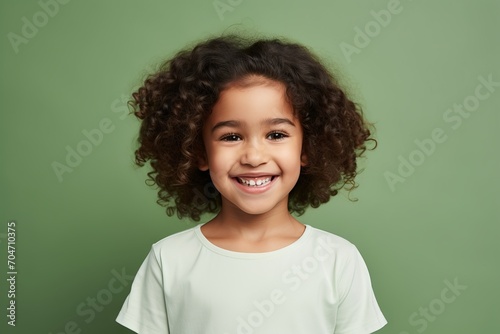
[{"x": 252, "y": 131}]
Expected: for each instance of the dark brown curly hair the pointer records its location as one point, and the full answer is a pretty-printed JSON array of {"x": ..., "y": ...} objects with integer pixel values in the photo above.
[{"x": 174, "y": 102}]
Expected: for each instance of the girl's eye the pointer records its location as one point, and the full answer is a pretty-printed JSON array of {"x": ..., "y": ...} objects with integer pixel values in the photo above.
[
  {"x": 230, "y": 137},
  {"x": 277, "y": 135}
]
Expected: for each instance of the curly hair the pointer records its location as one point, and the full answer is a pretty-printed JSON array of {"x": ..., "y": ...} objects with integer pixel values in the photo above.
[{"x": 174, "y": 102}]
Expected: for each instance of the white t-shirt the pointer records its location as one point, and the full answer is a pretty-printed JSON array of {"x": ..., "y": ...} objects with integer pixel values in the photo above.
[{"x": 317, "y": 285}]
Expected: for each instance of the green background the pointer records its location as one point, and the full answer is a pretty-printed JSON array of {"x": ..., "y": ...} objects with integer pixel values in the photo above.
[{"x": 73, "y": 232}]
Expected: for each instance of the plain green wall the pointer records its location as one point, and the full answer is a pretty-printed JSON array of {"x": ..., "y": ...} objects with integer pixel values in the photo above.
[{"x": 437, "y": 223}]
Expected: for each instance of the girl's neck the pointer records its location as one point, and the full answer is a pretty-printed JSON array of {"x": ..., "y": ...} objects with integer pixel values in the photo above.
[{"x": 234, "y": 223}]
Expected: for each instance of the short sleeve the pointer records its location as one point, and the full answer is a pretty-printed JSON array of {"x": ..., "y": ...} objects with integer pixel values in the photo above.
[
  {"x": 358, "y": 311},
  {"x": 144, "y": 310}
]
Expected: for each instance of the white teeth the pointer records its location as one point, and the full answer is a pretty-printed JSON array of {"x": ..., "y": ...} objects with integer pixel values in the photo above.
[{"x": 255, "y": 183}]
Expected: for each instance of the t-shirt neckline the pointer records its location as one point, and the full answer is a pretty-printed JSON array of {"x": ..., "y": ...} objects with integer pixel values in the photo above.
[{"x": 245, "y": 255}]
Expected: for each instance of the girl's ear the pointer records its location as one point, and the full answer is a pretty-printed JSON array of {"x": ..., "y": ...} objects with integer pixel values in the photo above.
[
  {"x": 303, "y": 160},
  {"x": 202, "y": 164}
]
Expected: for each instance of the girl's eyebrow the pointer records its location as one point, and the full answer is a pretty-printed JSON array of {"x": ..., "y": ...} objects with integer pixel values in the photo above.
[
  {"x": 278, "y": 121},
  {"x": 269, "y": 121},
  {"x": 231, "y": 124}
]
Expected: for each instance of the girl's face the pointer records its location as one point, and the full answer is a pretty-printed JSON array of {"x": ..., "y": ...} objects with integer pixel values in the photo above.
[{"x": 253, "y": 147}]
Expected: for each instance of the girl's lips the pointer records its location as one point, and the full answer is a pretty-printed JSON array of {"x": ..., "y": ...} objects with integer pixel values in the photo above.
[
  {"x": 250, "y": 184},
  {"x": 254, "y": 181}
]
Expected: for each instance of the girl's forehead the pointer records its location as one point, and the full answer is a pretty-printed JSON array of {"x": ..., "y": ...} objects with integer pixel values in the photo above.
[{"x": 254, "y": 101}]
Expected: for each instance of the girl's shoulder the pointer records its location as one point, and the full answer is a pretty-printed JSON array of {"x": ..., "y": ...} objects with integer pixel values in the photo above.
[
  {"x": 184, "y": 241},
  {"x": 322, "y": 236}
]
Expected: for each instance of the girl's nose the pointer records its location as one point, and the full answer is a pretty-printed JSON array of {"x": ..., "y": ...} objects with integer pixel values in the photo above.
[{"x": 254, "y": 154}]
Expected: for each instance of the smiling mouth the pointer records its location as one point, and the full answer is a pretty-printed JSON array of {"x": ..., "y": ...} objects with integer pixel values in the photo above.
[{"x": 255, "y": 182}]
